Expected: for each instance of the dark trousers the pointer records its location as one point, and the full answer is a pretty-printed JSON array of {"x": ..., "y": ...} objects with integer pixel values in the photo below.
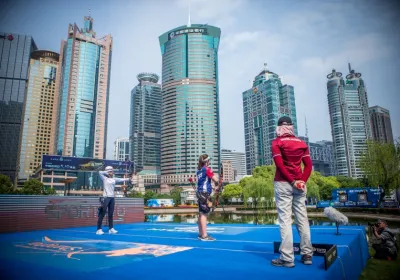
[
  {"x": 383, "y": 253},
  {"x": 108, "y": 204}
]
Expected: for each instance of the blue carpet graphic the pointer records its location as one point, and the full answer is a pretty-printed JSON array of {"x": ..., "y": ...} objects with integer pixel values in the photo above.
[{"x": 172, "y": 251}]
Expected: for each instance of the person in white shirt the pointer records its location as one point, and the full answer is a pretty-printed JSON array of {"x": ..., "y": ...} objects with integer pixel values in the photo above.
[{"x": 109, "y": 182}]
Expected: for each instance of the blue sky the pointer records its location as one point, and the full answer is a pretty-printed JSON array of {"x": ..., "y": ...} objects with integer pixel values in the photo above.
[{"x": 300, "y": 40}]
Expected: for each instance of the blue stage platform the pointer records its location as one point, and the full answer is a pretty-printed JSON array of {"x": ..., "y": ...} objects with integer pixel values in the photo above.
[{"x": 172, "y": 251}]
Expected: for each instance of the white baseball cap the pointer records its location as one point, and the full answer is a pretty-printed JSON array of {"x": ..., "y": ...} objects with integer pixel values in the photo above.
[{"x": 109, "y": 168}]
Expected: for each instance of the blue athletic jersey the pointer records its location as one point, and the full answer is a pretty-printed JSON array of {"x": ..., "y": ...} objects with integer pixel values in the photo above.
[{"x": 204, "y": 176}]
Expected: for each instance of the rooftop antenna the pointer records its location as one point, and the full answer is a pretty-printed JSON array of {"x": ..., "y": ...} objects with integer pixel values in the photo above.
[
  {"x": 89, "y": 11},
  {"x": 265, "y": 71},
  {"x": 189, "y": 24},
  {"x": 305, "y": 118},
  {"x": 349, "y": 68}
]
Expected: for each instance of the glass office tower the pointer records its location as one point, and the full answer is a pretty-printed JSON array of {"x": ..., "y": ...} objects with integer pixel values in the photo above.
[
  {"x": 15, "y": 51},
  {"x": 145, "y": 124},
  {"x": 40, "y": 106},
  {"x": 190, "y": 98},
  {"x": 263, "y": 105},
  {"x": 121, "y": 149},
  {"x": 350, "y": 121},
  {"x": 84, "y": 92}
]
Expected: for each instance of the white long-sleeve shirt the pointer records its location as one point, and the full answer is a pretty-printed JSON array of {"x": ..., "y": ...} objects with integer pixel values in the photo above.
[{"x": 109, "y": 183}]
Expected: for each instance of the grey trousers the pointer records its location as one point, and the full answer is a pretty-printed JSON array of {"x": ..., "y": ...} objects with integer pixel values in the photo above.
[{"x": 286, "y": 199}]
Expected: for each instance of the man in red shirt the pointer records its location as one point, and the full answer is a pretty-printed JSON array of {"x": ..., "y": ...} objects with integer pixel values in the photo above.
[{"x": 289, "y": 152}]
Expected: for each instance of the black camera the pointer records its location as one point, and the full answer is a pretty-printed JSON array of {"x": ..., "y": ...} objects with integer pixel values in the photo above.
[{"x": 373, "y": 224}]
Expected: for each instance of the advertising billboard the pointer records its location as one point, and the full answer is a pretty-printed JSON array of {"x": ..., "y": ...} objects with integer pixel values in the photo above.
[
  {"x": 84, "y": 164},
  {"x": 353, "y": 197},
  {"x": 35, "y": 212}
]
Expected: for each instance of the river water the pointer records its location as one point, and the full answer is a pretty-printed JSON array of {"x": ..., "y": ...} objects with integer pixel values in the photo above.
[{"x": 256, "y": 219}]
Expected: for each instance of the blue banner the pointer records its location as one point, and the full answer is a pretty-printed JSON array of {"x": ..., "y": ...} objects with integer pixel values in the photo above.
[
  {"x": 353, "y": 197},
  {"x": 84, "y": 164}
]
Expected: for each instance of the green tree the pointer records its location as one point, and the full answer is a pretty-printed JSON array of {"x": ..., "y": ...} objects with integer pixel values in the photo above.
[
  {"x": 6, "y": 187},
  {"x": 265, "y": 171},
  {"x": 149, "y": 195},
  {"x": 313, "y": 190},
  {"x": 176, "y": 195},
  {"x": 260, "y": 186},
  {"x": 381, "y": 164},
  {"x": 135, "y": 194},
  {"x": 163, "y": 196},
  {"x": 320, "y": 186},
  {"x": 49, "y": 191},
  {"x": 258, "y": 189},
  {"x": 33, "y": 187},
  {"x": 347, "y": 182},
  {"x": 232, "y": 191}
]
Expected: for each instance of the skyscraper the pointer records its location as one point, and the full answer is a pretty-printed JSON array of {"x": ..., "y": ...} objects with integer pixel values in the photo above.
[
  {"x": 348, "y": 109},
  {"x": 229, "y": 172},
  {"x": 322, "y": 157},
  {"x": 121, "y": 149},
  {"x": 380, "y": 124},
  {"x": 39, "y": 125},
  {"x": 84, "y": 92},
  {"x": 238, "y": 161},
  {"x": 15, "y": 51},
  {"x": 190, "y": 98},
  {"x": 145, "y": 124},
  {"x": 263, "y": 105}
]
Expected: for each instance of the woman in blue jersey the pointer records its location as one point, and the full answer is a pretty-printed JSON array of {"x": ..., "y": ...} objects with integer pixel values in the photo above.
[{"x": 204, "y": 190}]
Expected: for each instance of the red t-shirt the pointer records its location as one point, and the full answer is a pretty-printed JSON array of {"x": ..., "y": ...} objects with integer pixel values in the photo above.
[{"x": 293, "y": 152}]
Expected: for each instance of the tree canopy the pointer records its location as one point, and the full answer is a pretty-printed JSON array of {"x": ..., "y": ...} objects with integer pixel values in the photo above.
[
  {"x": 232, "y": 191},
  {"x": 260, "y": 185},
  {"x": 6, "y": 187},
  {"x": 381, "y": 164}
]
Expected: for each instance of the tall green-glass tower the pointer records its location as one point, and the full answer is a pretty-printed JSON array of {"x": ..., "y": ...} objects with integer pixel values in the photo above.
[
  {"x": 190, "y": 111},
  {"x": 263, "y": 105}
]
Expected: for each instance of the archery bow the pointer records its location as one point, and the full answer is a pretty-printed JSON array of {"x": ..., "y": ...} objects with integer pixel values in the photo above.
[{"x": 220, "y": 188}]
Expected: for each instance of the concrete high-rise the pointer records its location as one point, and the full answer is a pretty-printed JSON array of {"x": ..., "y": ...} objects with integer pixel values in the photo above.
[
  {"x": 145, "y": 124},
  {"x": 190, "y": 98},
  {"x": 263, "y": 105},
  {"x": 15, "y": 51},
  {"x": 39, "y": 125},
  {"x": 238, "y": 161},
  {"x": 381, "y": 125},
  {"x": 350, "y": 122},
  {"x": 229, "y": 172},
  {"x": 121, "y": 149},
  {"x": 84, "y": 92}
]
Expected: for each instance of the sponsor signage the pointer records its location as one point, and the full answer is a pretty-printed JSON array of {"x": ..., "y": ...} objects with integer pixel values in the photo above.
[
  {"x": 83, "y": 164},
  {"x": 32, "y": 212},
  {"x": 328, "y": 251},
  {"x": 356, "y": 197},
  {"x": 186, "y": 31}
]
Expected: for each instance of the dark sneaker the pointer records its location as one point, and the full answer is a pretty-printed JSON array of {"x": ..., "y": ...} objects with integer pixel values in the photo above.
[
  {"x": 279, "y": 262},
  {"x": 306, "y": 259},
  {"x": 207, "y": 238}
]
